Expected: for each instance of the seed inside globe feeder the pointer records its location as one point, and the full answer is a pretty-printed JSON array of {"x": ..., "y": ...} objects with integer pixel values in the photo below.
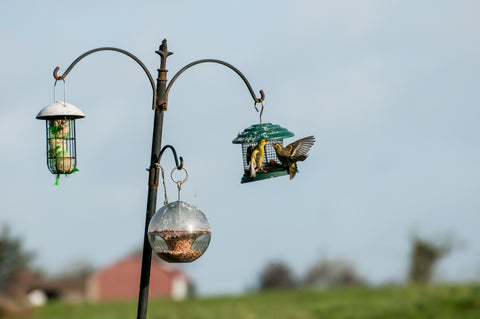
[{"x": 179, "y": 232}]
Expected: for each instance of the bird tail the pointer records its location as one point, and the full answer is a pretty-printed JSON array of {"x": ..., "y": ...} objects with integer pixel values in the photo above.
[{"x": 292, "y": 170}]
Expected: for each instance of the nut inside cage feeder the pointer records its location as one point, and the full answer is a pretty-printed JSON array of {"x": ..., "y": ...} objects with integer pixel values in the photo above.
[
  {"x": 271, "y": 166},
  {"x": 61, "y": 136}
]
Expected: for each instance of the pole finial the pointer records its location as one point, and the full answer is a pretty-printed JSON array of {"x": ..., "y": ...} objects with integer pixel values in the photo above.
[{"x": 163, "y": 51}]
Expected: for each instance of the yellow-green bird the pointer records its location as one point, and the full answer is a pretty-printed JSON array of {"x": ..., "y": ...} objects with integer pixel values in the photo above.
[
  {"x": 294, "y": 152},
  {"x": 255, "y": 156}
]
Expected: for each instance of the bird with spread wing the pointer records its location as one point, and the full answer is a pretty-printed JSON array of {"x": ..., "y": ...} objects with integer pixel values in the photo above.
[
  {"x": 255, "y": 156},
  {"x": 294, "y": 152}
]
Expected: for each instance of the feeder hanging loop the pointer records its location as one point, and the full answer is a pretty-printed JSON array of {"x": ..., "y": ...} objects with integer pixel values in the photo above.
[
  {"x": 261, "y": 110},
  {"x": 179, "y": 183}
]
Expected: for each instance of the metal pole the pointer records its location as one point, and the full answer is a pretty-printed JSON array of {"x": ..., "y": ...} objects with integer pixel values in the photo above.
[
  {"x": 160, "y": 106},
  {"x": 160, "y": 101}
]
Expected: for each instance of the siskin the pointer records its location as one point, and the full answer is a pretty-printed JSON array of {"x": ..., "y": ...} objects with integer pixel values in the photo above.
[
  {"x": 294, "y": 152},
  {"x": 255, "y": 156}
]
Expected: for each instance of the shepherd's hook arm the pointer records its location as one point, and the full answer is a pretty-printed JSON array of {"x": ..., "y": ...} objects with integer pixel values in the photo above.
[
  {"x": 150, "y": 78},
  {"x": 255, "y": 98},
  {"x": 179, "y": 166}
]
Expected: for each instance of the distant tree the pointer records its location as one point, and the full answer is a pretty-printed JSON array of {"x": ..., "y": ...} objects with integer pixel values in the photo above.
[
  {"x": 14, "y": 273},
  {"x": 332, "y": 273},
  {"x": 276, "y": 275},
  {"x": 13, "y": 260},
  {"x": 80, "y": 268},
  {"x": 424, "y": 256}
]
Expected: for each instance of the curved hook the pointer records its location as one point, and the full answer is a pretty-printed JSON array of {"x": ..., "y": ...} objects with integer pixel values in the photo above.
[
  {"x": 150, "y": 78},
  {"x": 261, "y": 111},
  {"x": 255, "y": 98},
  {"x": 55, "y": 75},
  {"x": 262, "y": 97},
  {"x": 178, "y": 166}
]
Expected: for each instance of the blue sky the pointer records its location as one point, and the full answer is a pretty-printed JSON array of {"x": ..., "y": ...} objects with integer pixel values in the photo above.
[{"x": 389, "y": 89}]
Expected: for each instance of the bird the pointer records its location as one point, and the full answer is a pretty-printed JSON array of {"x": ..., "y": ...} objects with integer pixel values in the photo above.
[
  {"x": 255, "y": 156},
  {"x": 294, "y": 152}
]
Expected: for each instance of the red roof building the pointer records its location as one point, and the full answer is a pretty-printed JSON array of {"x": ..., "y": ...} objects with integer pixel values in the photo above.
[{"x": 121, "y": 281}]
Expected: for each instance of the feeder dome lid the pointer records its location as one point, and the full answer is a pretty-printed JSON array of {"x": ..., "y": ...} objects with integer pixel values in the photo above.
[
  {"x": 60, "y": 109},
  {"x": 267, "y": 131}
]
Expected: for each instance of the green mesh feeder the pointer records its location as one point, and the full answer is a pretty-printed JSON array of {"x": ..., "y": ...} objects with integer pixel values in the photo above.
[
  {"x": 61, "y": 136},
  {"x": 271, "y": 165}
]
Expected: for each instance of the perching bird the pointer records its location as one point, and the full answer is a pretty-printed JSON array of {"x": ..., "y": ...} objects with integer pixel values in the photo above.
[
  {"x": 255, "y": 156},
  {"x": 294, "y": 152}
]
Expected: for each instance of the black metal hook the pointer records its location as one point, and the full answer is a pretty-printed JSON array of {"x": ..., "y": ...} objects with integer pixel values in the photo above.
[
  {"x": 255, "y": 98},
  {"x": 150, "y": 78},
  {"x": 179, "y": 166}
]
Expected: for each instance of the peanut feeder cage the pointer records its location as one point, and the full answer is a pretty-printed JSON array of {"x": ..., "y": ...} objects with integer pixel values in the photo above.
[
  {"x": 61, "y": 136},
  {"x": 271, "y": 166}
]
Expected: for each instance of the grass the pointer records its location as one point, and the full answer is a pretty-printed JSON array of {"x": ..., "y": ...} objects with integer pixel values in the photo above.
[{"x": 437, "y": 302}]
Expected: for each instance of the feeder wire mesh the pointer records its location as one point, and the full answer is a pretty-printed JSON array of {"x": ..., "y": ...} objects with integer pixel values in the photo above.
[
  {"x": 270, "y": 154},
  {"x": 61, "y": 145}
]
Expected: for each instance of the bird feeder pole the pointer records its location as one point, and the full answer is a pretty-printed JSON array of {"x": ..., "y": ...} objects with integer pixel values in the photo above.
[
  {"x": 159, "y": 106},
  {"x": 160, "y": 101}
]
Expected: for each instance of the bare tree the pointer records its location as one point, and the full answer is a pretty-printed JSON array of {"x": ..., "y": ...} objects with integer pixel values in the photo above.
[
  {"x": 276, "y": 275},
  {"x": 332, "y": 273},
  {"x": 425, "y": 255},
  {"x": 80, "y": 268}
]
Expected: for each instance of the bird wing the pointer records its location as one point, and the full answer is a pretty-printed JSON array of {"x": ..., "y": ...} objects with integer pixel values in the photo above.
[
  {"x": 253, "y": 163},
  {"x": 301, "y": 147},
  {"x": 287, "y": 150},
  {"x": 249, "y": 153},
  {"x": 255, "y": 156}
]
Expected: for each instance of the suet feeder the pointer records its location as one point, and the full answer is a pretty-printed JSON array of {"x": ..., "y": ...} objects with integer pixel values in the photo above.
[
  {"x": 179, "y": 232},
  {"x": 271, "y": 166},
  {"x": 61, "y": 136}
]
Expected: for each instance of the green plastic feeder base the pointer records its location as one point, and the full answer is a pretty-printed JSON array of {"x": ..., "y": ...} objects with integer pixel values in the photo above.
[{"x": 260, "y": 176}]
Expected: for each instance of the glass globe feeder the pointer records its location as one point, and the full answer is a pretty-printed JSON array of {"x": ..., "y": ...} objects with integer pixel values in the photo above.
[
  {"x": 179, "y": 232},
  {"x": 271, "y": 166}
]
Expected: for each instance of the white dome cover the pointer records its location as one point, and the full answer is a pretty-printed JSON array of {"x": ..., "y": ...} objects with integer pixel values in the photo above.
[{"x": 60, "y": 109}]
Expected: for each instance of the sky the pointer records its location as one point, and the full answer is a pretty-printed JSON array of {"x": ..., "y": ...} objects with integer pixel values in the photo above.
[{"x": 388, "y": 88}]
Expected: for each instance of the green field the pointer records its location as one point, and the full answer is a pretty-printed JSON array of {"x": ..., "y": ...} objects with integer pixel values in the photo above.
[{"x": 437, "y": 302}]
